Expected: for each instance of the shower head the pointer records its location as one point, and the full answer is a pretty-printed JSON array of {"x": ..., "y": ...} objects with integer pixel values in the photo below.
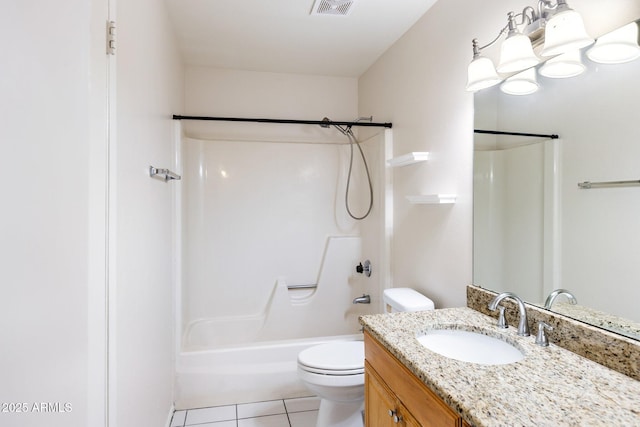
[{"x": 326, "y": 122}]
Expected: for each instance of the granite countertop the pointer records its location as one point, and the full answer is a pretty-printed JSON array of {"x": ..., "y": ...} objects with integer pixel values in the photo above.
[
  {"x": 551, "y": 386},
  {"x": 613, "y": 323}
]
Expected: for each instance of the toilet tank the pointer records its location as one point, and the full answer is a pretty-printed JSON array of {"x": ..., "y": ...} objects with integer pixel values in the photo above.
[{"x": 406, "y": 299}]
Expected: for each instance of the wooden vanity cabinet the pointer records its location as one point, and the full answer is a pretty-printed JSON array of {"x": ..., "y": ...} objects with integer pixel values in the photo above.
[
  {"x": 396, "y": 397},
  {"x": 382, "y": 408}
]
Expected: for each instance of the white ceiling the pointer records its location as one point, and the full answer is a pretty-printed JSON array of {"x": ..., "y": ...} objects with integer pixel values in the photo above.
[{"x": 283, "y": 36}]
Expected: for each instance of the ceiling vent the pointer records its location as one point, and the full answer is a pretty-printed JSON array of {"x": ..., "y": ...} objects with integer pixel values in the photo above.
[{"x": 332, "y": 7}]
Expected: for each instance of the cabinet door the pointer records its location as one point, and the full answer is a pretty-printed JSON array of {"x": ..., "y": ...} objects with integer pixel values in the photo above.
[
  {"x": 407, "y": 419},
  {"x": 426, "y": 409},
  {"x": 382, "y": 409},
  {"x": 378, "y": 402}
]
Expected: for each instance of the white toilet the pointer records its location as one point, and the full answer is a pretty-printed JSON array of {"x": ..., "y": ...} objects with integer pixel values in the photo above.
[
  {"x": 335, "y": 371},
  {"x": 406, "y": 299}
]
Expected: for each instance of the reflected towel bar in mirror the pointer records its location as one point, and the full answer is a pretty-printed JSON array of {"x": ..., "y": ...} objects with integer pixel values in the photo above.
[
  {"x": 499, "y": 132},
  {"x": 587, "y": 184}
]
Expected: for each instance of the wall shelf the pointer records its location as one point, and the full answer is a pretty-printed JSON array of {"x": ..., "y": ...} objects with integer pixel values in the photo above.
[
  {"x": 432, "y": 199},
  {"x": 408, "y": 159}
]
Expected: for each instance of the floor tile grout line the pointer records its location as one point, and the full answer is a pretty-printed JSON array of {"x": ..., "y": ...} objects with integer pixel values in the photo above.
[{"x": 237, "y": 414}]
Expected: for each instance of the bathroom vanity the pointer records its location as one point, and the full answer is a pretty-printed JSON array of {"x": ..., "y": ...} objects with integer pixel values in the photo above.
[
  {"x": 396, "y": 397},
  {"x": 410, "y": 384}
]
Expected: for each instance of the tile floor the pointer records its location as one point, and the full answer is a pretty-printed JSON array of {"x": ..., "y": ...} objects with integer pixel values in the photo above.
[{"x": 298, "y": 412}]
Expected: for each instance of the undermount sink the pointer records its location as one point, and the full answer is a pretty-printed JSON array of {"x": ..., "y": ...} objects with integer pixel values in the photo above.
[{"x": 470, "y": 346}]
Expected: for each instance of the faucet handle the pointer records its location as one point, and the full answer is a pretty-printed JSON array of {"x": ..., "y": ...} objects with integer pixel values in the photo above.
[
  {"x": 542, "y": 339},
  {"x": 502, "y": 320}
]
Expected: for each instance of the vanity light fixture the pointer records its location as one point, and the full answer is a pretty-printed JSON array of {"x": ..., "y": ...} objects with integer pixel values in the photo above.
[
  {"x": 559, "y": 27},
  {"x": 516, "y": 52},
  {"x": 564, "y": 31},
  {"x": 523, "y": 83},
  {"x": 562, "y": 66},
  {"x": 481, "y": 72},
  {"x": 616, "y": 47}
]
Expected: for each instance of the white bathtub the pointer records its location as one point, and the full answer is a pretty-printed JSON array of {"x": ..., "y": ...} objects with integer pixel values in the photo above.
[{"x": 263, "y": 371}]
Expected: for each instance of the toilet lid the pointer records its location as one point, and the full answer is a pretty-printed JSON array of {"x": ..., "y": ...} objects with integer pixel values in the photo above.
[{"x": 343, "y": 357}]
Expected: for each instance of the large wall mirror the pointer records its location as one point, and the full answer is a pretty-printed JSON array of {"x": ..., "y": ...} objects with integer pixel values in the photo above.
[{"x": 535, "y": 228}]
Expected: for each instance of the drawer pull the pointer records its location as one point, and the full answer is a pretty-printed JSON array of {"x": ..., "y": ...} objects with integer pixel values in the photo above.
[{"x": 394, "y": 414}]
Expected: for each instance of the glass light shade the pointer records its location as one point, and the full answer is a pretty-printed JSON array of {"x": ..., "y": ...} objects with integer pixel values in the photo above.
[
  {"x": 617, "y": 46},
  {"x": 566, "y": 65},
  {"x": 481, "y": 74},
  {"x": 516, "y": 54},
  {"x": 565, "y": 32},
  {"x": 524, "y": 83}
]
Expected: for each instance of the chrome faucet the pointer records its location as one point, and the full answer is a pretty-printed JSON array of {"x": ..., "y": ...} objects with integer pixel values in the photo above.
[
  {"x": 552, "y": 296},
  {"x": 523, "y": 326},
  {"x": 364, "y": 299}
]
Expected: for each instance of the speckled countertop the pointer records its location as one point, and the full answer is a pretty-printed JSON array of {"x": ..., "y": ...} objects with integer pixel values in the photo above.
[
  {"x": 550, "y": 387},
  {"x": 616, "y": 324}
]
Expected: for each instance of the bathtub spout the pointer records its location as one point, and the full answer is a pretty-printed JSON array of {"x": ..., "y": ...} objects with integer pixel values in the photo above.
[{"x": 364, "y": 299}]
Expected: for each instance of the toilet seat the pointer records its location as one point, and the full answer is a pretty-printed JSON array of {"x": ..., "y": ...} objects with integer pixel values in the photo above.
[{"x": 337, "y": 358}]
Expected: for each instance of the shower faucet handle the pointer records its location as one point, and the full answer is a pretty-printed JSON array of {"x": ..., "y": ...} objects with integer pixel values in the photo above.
[{"x": 366, "y": 268}]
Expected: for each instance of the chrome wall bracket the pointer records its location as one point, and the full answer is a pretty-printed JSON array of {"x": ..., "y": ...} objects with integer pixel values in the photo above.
[{"x": 164, "y": 174}]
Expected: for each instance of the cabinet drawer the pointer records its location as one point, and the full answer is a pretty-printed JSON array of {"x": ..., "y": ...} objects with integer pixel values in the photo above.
[{"x": 425, "y": 406}]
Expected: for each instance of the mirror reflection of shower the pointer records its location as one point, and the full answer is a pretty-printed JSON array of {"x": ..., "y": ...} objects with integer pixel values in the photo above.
[{"x": 348, "y": 132}]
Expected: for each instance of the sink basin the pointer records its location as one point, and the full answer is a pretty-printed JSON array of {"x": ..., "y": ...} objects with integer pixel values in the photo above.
[{"x": 471, "y": 347}]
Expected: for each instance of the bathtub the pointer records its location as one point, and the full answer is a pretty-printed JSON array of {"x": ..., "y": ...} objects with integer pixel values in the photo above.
[{"x": 239, "y": 374}]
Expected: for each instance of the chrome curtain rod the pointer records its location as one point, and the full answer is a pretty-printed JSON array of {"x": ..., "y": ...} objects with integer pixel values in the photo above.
[
  {"x": 533, "y": 135},
  {"x": 287, "y": 121}
]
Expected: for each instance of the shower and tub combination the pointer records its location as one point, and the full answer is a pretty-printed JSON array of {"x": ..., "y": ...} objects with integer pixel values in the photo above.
[{"x": 269, "y": 235}]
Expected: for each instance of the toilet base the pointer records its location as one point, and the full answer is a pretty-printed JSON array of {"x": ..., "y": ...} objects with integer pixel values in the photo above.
[{"x": 340, "y": 414}]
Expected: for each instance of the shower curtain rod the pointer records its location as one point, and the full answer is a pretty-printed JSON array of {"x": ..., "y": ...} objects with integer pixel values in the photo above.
[
  {"x": 533, "y": 135},
  {"x": 287, "y": 121}
]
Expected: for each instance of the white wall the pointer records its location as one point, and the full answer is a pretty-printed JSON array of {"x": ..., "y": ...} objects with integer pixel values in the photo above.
[
  {"x": 53, "y": 221},
  {"x": 418, "y": 85},
  {"x": 44, "y": 221},
  {"x": 149, "y": 91},
  {"x": 237, "y": 93}
]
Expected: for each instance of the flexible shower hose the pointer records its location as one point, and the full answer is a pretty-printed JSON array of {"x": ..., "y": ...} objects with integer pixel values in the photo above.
[{"x": 352, "y": 141}]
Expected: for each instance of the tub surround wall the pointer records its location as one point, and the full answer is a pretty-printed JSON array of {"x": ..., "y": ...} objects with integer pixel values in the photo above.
[
  {"x": 614, "y": 351},
  {"x": 259, "y": 216},
  {"x": 263, "y": 208},
  {"x": 293, "y": 314}
]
